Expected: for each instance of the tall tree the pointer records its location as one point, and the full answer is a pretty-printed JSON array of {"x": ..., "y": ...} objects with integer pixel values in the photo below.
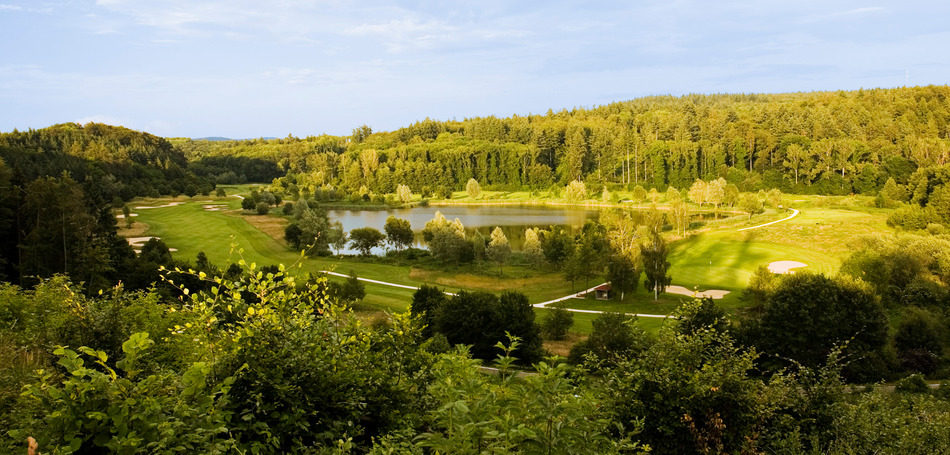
[
  {"x": 697, "y": 192},
  {"x": 533, "y": 252},
  {"x": 623, "y": 273},
  {"x": 557, "y": 245},
  {"x": 809, "y": 314},
  {"x": 655, "y": 264},
  {"x": 404, "y": 194},
  {"x": 398, "y": 232},
  {"x": 473, "y": 188},
  {"x": 576, "y": 191},
  {"x": 498, "y": 248},
  {"x": 591, "y": 250},
  {"x": 365, "y": 239}
]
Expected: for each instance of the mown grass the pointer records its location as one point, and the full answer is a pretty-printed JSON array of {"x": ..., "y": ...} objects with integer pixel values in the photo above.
[{"x": 717, "y": 257}]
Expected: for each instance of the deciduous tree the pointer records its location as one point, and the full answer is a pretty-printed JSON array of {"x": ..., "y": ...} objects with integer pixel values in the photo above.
[
  {"x": 809, "y": 314},
  {"x": 533, "y": 252},
  {"x": 398, "y": 232},
  {"x": 498, "y": 248},
  {"x": 473, "y": 188},
  {"x": 365, "y": 239},
  {"x": 576, "y": 191},
  {"x": 404, "y": 193},
  {"x": 655, "y": 264}
]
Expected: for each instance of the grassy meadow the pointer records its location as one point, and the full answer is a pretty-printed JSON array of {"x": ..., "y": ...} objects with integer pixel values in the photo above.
[{"x": 715, "y": 255}]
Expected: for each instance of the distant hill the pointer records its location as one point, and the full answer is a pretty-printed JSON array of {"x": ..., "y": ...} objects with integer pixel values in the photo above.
[
  {"x": 218, "y": 138},
  {"x": 212, "y": 138}
]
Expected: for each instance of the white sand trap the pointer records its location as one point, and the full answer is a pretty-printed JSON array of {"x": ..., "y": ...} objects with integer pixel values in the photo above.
[
  {"x": 138, "y": 242},
  {"x": 170, "y": 204},
  {"x": 783, "y": 267},
  {"x": 712, "y": 293},
  {"x": 121, "y": 216},
  {"x": 214, "y": 207}
]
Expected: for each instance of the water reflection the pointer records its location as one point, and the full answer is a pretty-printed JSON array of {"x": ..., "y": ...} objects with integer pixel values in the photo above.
[{"x": 513, "y": 220}]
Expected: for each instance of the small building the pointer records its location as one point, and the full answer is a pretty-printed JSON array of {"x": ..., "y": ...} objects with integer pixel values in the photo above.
[{"x": 603, "y": 292}]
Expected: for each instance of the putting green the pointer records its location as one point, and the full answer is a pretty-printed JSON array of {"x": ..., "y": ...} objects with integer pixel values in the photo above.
[{"x": 723, "y": 261}]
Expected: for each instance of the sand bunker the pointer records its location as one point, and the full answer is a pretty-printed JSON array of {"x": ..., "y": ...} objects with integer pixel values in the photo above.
[
  {"x": 170, "y": 204},
  {"x": 712, "y": 293},
  {"x": 121, "y": 216},
  {"x": 138, "y": 242},
  {"x": 214, "y": 207},
  {"x": 783, "y": 267}
]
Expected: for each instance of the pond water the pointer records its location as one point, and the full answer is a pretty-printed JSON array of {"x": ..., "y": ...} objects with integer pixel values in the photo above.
[{"x": 513, "y": 220}]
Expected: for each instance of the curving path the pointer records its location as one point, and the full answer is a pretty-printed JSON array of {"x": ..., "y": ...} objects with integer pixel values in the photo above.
[
  {"x": 384, "y": 283},
  {"x": 581, "y": 295},
  {"x": 793, "y": 215}
]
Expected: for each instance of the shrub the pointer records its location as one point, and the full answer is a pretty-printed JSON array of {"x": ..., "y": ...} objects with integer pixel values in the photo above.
[
  {"x": 914, "y": 383},
  {"x": 124, "y": 410},
  {"x": 556, "y": 323},
  {"x": 614, "y": 336}
]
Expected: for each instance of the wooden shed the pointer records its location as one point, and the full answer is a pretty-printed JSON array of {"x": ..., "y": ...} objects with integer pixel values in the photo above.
[{"x": 603, "y": 292}]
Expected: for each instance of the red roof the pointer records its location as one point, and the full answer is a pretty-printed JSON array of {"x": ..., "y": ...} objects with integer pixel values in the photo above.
[{"x": 604, "y": 287}]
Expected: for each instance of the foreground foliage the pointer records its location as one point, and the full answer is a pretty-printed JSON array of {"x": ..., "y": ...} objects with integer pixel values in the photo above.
[{"x": 264, "y": 363}]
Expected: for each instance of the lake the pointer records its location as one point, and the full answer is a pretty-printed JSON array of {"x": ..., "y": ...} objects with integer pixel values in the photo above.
[{"x": 513, "y": 219}]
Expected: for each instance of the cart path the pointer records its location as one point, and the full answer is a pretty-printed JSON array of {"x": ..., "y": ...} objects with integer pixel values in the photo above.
[
  {"x": 579, "y": 295},
  {"x": 582, "y": 294},
  {"x": 793, "y": 215},
  {"x": 384, "y": 283}
]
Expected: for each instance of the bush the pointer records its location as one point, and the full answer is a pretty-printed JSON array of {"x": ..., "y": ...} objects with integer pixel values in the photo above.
[
  {"x": 97, "y": 408},
  {"x": 914, "y": 383},
  {"x": 482, "y": 320},
  {"x": 556, "y": 323},
  {"x": 349, "y": 291},
  {"x": 263, "y": 208},
  {"x": 614, "y": 336}
]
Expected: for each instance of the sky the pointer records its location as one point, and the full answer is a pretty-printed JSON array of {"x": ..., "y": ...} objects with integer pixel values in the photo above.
[{"x": 252, "y": 68}]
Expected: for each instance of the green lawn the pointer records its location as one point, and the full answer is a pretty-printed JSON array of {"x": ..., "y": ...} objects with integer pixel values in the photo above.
[
  {"x": 719, "y": 257},
  {"x": 190, "y": 228}
]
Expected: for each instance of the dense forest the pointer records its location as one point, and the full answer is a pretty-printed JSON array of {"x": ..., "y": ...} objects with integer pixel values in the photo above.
[
  {"x": 103, "y": 350},
  {"x": 819, "y": 142},
  {"x": 58, "y": 187}
]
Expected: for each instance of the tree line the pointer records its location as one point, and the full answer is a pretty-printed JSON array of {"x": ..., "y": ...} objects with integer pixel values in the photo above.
[{"x": 819, "y": 142}]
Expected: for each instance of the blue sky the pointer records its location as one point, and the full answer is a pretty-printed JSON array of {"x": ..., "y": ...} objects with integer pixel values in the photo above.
[{"x": 243, "y": 68}]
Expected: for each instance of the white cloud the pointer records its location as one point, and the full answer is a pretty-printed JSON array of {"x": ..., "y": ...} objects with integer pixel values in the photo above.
[
  {"x": 18, "y": 8},
  {"x": 844, "y": 14}
]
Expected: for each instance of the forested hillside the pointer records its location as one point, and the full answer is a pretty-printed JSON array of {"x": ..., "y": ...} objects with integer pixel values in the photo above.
[
  {"x": 58, "y": 186},
  {"x": 820, "y": 142}
]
